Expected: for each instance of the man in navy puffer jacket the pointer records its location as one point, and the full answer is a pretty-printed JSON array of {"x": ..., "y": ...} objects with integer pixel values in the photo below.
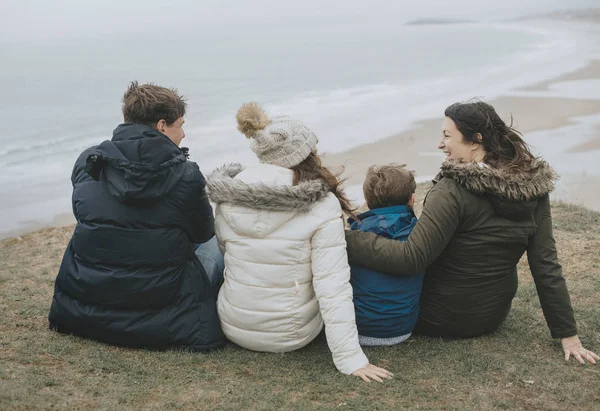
[{"x": 131, "y": 275}]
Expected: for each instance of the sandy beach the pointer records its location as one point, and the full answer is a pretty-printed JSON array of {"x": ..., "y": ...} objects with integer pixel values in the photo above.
[
  {"x": 559, "y": 118},
  {"x": 534, "y": 116},
  {"x": 543, "y": 120}
]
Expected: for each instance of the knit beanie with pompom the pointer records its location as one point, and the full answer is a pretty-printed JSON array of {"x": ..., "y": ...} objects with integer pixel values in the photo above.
[{"x": 280, "y": 141}]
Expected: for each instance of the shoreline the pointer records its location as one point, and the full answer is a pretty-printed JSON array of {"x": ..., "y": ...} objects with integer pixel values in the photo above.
[
  {"x": 535, "y": 116},
  {"x": 417, "y": 146}
]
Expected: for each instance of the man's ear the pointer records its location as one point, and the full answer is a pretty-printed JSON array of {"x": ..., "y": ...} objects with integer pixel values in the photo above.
[
  {"x": 411, "y": 202},
  {"x": 161, "y": 126}
]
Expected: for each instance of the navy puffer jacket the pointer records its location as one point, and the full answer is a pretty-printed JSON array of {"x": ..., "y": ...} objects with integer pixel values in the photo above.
[{"x": 129, "y": 275}]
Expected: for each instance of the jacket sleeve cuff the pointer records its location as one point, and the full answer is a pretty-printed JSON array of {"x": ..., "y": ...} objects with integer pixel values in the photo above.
[
  {"x": 563, "y": 333},
  {"x": 353, "y": 363}
]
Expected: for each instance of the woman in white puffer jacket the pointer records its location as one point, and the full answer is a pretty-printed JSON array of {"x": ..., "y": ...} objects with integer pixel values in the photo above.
[{"x": 281, "y": 230}]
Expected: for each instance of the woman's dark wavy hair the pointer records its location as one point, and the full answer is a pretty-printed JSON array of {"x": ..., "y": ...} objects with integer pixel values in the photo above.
[{"x": 504, "y": 146}]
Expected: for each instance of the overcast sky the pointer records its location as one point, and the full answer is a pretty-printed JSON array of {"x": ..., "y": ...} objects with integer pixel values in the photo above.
[{"x": 39, "y": 20}]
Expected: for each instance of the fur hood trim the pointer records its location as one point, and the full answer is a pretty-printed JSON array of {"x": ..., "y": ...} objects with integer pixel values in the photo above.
[
  {"x": 222, "y": 187},
  {"x": 508, "y": 184}
]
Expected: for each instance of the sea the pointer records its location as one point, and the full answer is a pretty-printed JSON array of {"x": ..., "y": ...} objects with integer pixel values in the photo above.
[{"x": 350, "y": 84}]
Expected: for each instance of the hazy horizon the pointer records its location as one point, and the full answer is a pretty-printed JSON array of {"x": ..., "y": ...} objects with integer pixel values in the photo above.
[
  {"x": 353, "y": 72},
  {"x": 42, "y": 22}
]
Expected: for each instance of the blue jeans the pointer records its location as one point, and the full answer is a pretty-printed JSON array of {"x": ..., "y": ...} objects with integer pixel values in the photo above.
[{"x": 212, "y": 260}]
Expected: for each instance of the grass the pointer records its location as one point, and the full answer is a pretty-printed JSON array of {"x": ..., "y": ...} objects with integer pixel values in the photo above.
[{"x": 518, "y": 367}]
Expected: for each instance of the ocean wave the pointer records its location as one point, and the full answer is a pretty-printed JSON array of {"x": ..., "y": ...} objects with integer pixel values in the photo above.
[
  {"x": 342, "y": 117},
  {"x": 348, "y": 117},
  {"x": 40, "y": 141}
]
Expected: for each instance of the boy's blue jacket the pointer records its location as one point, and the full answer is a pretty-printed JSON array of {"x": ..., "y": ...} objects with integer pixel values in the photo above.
[{"x": 386, "y": 306}]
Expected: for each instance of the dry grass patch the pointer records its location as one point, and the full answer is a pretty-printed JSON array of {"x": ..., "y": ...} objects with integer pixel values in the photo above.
[{"x": 518, "y": 367}]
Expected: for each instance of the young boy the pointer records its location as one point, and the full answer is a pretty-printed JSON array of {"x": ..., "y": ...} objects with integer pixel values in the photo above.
[{"x": 387, "y": 306}]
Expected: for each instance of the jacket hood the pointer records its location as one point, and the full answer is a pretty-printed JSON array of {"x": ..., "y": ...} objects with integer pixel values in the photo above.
[
  {"x": 273, "y": 203},
  {"x": 514, "y": 194},
  {"x": 139, "y": 164},
  {"x": 391, "y": 222},
  {"x": 223, "y": 187}
]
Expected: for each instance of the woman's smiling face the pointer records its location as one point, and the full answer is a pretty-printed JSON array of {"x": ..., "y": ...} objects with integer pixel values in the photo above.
[{"x": 453, "y": 143}]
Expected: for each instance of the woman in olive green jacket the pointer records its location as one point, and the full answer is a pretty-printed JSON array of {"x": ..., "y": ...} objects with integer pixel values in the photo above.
[{"x": 490, "y": 203}]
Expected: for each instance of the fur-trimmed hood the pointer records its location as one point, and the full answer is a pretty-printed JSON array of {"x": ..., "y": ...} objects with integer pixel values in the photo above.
[
  {"x": 514, "y": 194},
  {"x": 222, "y": 187},
  {"x": 507, "y": 184}
]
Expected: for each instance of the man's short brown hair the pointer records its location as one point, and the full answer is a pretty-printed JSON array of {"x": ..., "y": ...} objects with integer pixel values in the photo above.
[
  {"x": 389, "y": 185},
  {"x": 148, "y": 104}
]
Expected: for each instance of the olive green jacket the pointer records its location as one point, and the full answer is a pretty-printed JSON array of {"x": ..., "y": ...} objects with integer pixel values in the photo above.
[{"x": 476, "y": 224}]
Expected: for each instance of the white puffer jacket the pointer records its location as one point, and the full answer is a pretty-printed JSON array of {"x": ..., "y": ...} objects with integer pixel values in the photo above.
[{"x": 286, "y": 268}]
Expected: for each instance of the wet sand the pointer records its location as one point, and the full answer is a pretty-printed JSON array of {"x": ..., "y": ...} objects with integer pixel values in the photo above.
[{"x": 418, "y": 147}]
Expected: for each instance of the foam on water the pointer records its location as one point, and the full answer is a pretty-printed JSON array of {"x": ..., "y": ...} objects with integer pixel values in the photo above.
[
  {"x": 35, "y": 177},
  {"x": 350, "y": 117},
  {"x": 577, "y": 89}
]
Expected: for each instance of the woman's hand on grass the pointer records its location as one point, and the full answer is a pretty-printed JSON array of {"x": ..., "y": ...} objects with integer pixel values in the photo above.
[
  {"x": 573, "y": 347},
  {"x": 373, "y": 372}
]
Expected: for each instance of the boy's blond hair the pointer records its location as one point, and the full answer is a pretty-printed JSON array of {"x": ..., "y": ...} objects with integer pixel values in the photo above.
[{"x": 389, "y": 185}]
